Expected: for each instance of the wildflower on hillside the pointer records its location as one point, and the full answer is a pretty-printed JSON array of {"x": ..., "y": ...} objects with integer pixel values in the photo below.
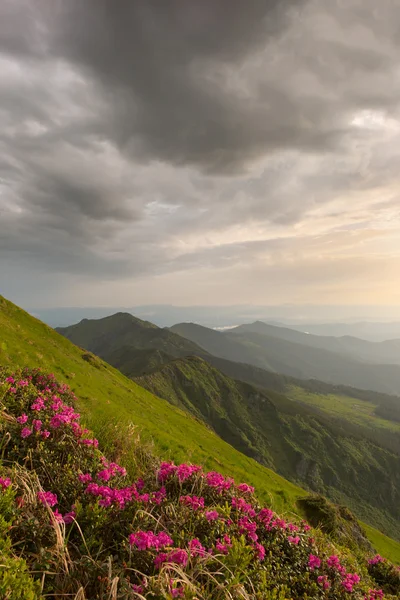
[
  {"x": 245, "y": 488},
  {"x": 26, "y": 432},
  {"x": 260, "y": 550},
  {"x": 350, "y": 580},
  {"x": 211, "y": 515},
  {"x": 193, "y": 501},
  {"x": 37, "y": 424},
  {"x": 47, "y": 498},
  {"x": 22, "y": 419},
  {"x": 196, "y": 548},
  {"x": 5, "y": 483},
  {"x": 45, "y": 434},
  {"x": 314, "y": 562},
  {"x": 376, "y": 559},
  {"x": 293, "y": 540},
  {"x": 324, "y": 582}
]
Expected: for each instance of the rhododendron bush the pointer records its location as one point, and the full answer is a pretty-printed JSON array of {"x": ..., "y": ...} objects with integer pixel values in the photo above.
[{"x": 85, "y": 528}]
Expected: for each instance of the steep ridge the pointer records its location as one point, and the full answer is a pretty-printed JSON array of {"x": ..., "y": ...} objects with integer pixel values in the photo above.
[
  {"x": 308, "y": 448},
  {"x": 293, "y": 359},
  {"x": 104, "y": 336},
  {"x": 386, "y": 352}
]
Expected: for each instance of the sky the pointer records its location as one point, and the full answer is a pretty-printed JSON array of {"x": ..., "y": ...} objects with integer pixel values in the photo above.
[{"x": 213, "y": 152}]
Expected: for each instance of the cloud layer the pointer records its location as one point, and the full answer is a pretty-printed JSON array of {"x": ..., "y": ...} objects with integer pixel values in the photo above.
[{"x": 190, "y": 152}]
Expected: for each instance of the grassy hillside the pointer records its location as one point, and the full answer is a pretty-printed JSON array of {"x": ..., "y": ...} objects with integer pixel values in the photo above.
[
  {"x": 91, "y": 530},
  {"x": 106, "y": 396},
  {"x": 301, "y": 445},
  {"x": 292, "y": 358},
  {"x": 110, "y": 334}
]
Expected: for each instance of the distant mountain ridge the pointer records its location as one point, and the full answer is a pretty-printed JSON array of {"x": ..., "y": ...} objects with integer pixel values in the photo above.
[
  {"x": 387, "y": 352},
  {"x": 293, "y": 358}
]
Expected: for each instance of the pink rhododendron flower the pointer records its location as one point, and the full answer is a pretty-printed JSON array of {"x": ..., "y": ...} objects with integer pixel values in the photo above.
[
  {"x": 47, "y": 498},
  {"x": 45, "y": 434},
  {"x": 324, "y": 582},
  {"x": 260, "y": 550},
  {"x": 350, "y": 580},
  {"x": 26, "y": 432},
  {"x": 10, "y": 380},
  {"x": 85, "y": 478},
  {"x": 374, "y": 595},
  {"x": 69, "y": 517},
  {"x": 314, "y": 562},
  {"x": 218, "y": 481},
  {"x": 193, "y": 501},
  {"x": 245, "y": 488},
  {"x": 293, "y": 540},
  {"x": 376, "y": 559},
  {"x": 58, "y": 516},
  {"x": 5, "y": 483},
  {"x": 333, "y": 562},
  {"x": 138, "y": 588},
  {"x": 22, "y": 419},
  {"x": 211, "y": 515},
  {"x": 37, "y": 424},
  {"x": 196, "y": 548},
  {"x": 223, "y": 544}
]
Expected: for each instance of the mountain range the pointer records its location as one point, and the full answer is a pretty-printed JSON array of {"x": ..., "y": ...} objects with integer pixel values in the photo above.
[{"x": 280, "y": 421}]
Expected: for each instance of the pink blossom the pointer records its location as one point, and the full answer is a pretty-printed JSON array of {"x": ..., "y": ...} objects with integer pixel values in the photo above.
[
  {"x": 38, "y": 404},
  {"x": 69, "y": 517},
  {"x": 260, "y": 551},
  {"x": 45, "y": 434},
  {"x": 376, "y": 559},
  {"x": 22, "y": 419},
  {"x": 314, "y": 562},
  {"x": 211, "y": 515},
  {"x": 324, "y": 582},
  {"x": 350, "y": 580},
  {"x": 85, "y": 478},
  {"x": 10, "y": 380},
  {"x": 196, "y": 548},
  {"x": 5, "y": 483},
  {"x": 26, "y": 432},
  {"x": 293, "y": 540},
  {"x": 47, "y": 498},
  {"x": 58, "y": 516},
  {"x": 218, "y": 481},
  {"x": 333, "y": 562},
  {"x": 245, "y": 488},
  {"x": 37, "y": 424},
  {"x": 193, "y": 501},
  {"x": 223, "y": 545},
  {"x": 138, "y": 588}
]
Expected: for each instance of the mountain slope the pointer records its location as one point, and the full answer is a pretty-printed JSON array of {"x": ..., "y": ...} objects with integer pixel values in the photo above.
[
  {"x": 108, "y": 398},
  {"x": 292, "y": 358},
  {"x": 293, "y": 440},
  {"x": 110, "y": 334},
  {"x": 386, "y": 352}
]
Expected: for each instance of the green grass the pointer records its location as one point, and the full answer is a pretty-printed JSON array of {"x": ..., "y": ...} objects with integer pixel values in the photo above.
[
  {"x": 358, "y": 411},
  {"x": 106, "y": 396},
  {"x": 383, "y": 544}
]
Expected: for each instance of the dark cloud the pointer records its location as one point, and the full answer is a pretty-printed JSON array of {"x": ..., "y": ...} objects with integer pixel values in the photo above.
[{"x": 142, "y": 138}]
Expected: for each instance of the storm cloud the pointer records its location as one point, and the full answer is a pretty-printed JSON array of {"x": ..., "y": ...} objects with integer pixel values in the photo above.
[{"x": 150, "y": 143}]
